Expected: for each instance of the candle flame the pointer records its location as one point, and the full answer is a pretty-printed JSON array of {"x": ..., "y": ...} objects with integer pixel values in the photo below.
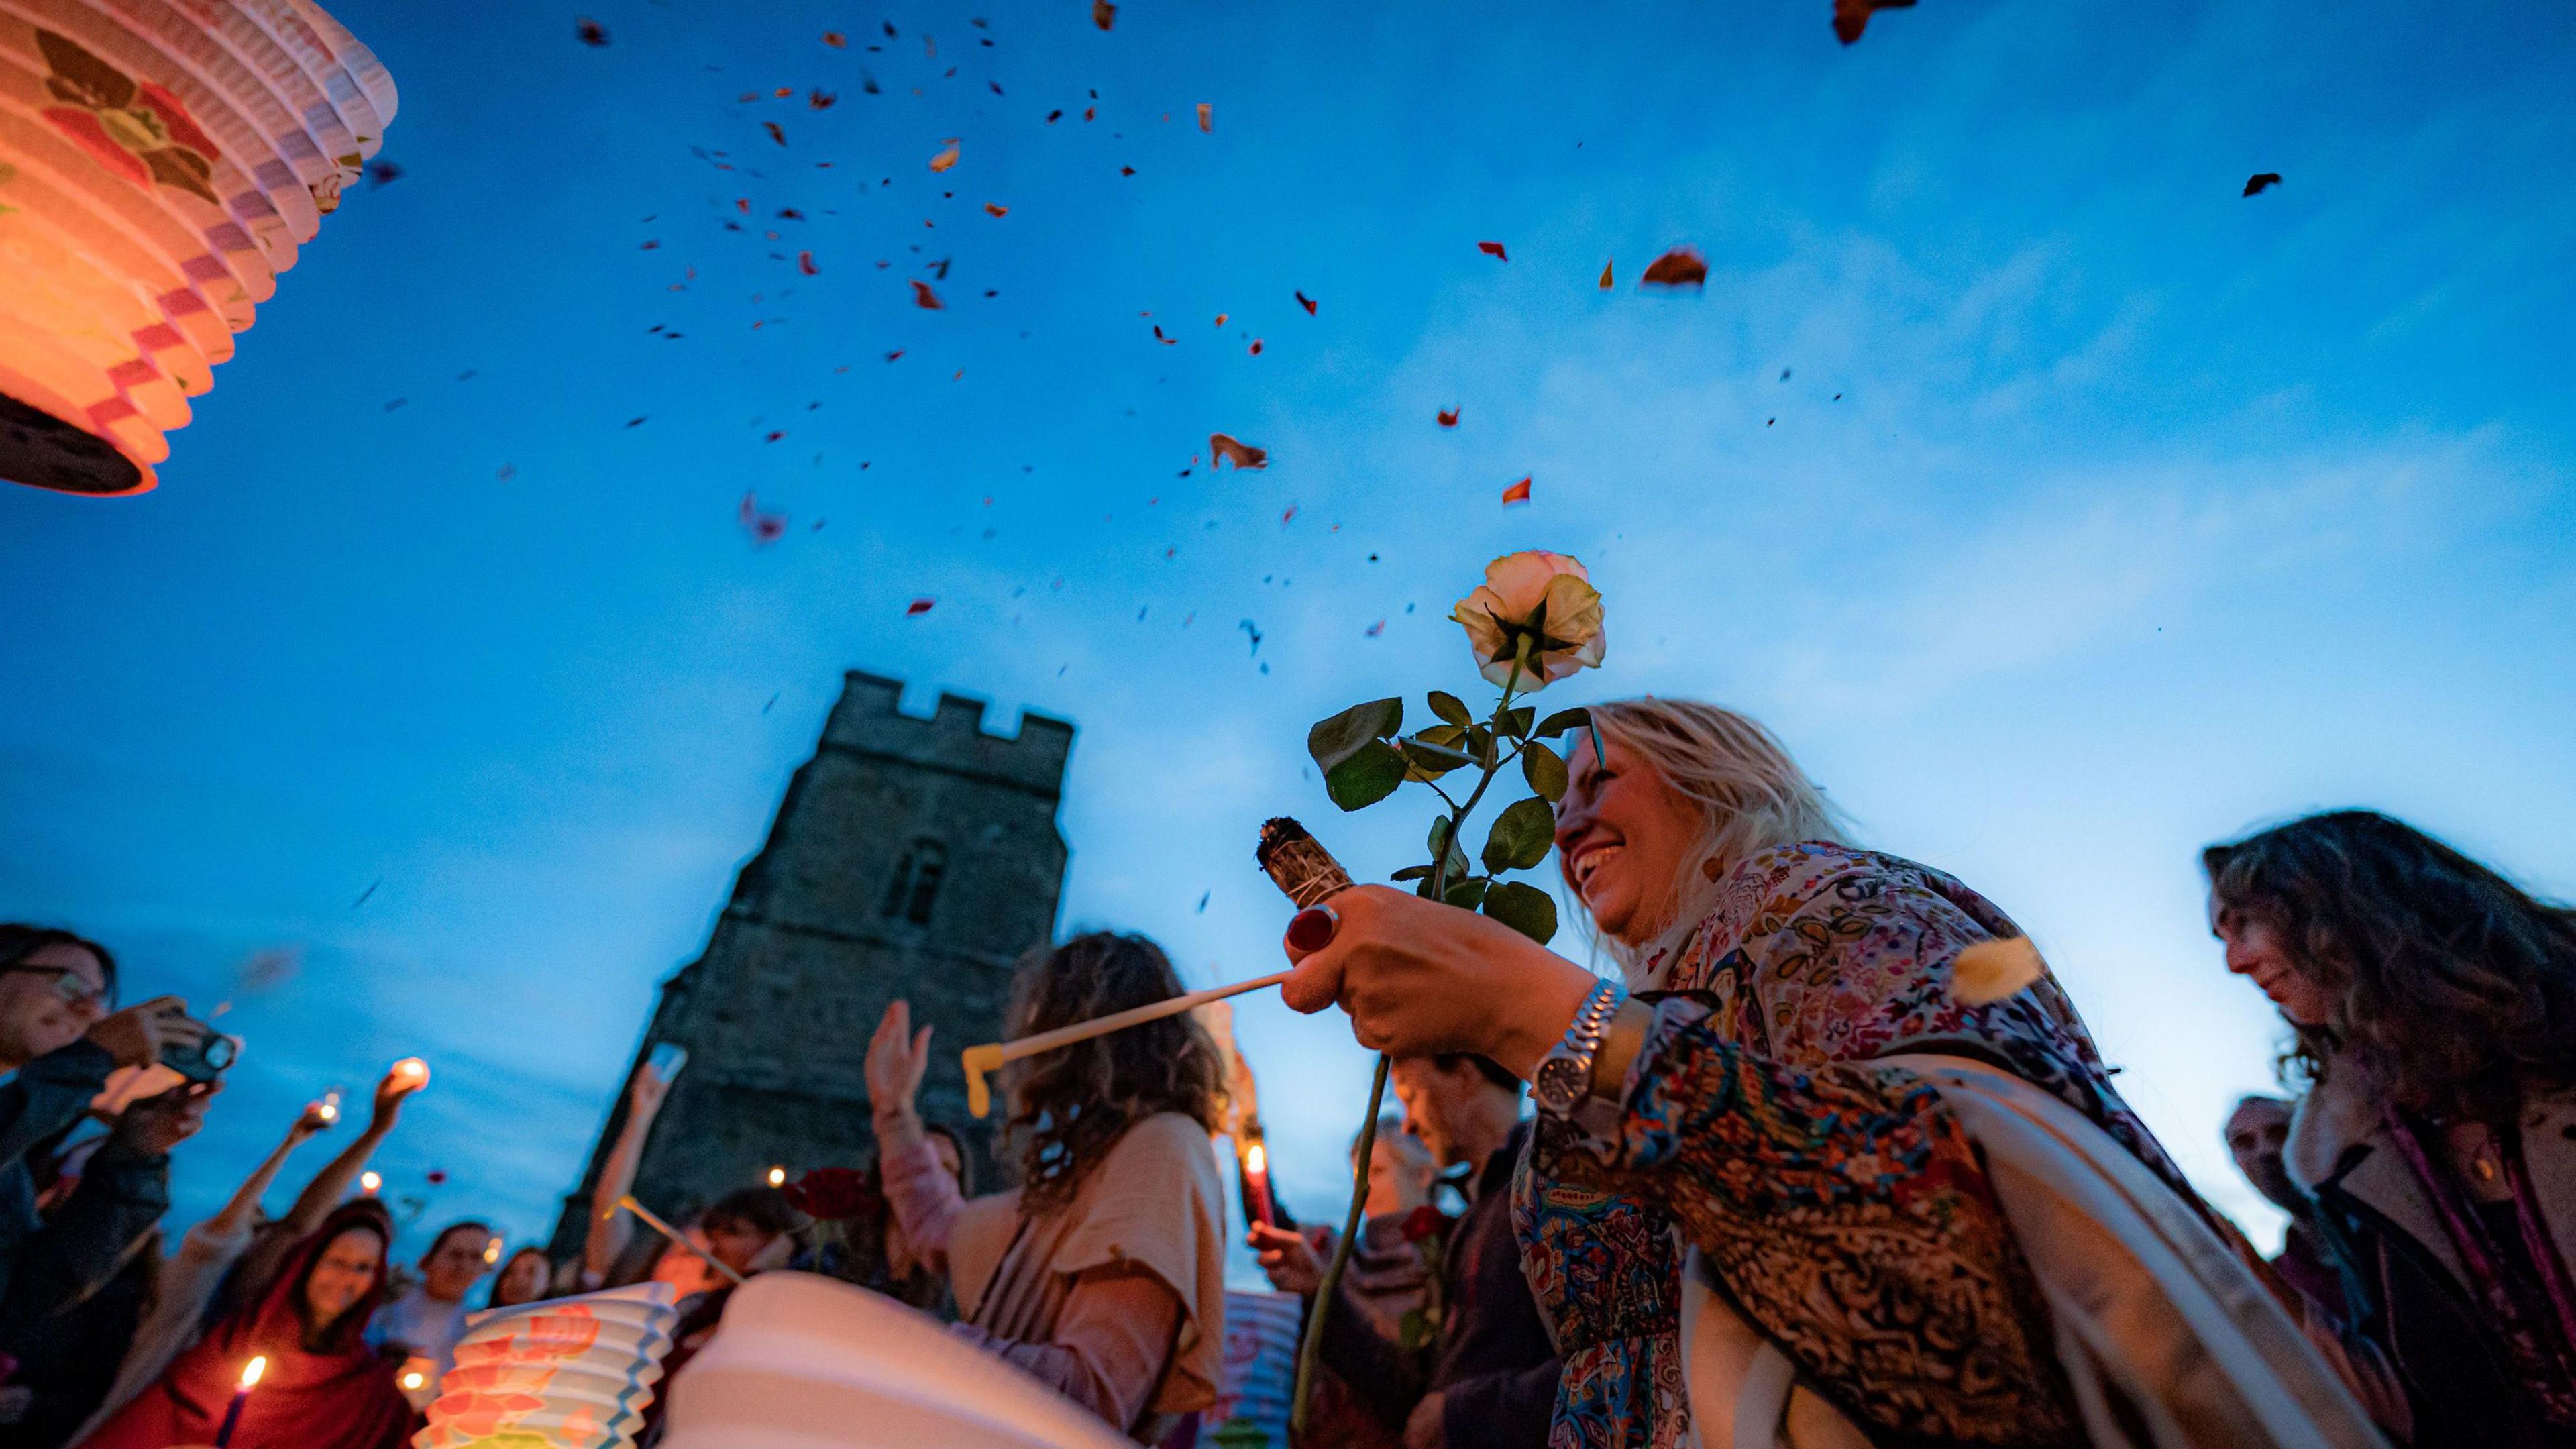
[
  {"x": 328, "y": 1111},
  {"x": 411, "y": 1380},
  {"x": 253, "y": 1369},
  {"x": 413, "y": 1068},
  {"x": 778, "y": 1177},
  {"x": 368, "y": 1182},
  {"x": 1255, "y": 1160},
  {"x": 492, "y": 1250}
]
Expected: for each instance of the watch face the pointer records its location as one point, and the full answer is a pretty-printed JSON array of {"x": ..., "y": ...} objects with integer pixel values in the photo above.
[{"x": 1560, "y": 1082}]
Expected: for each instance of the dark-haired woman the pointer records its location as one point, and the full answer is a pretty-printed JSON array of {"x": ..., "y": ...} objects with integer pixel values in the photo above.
[
  {"x": 528, "y": 1276},
  {"x": 1102, "y": 1274},
  {"x": 323, "y": 1387},
  {"x": 2435, "y": 1009}
]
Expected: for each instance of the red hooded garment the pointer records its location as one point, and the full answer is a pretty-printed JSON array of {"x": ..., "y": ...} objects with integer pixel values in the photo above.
[{"x": 343, "y": 1399}]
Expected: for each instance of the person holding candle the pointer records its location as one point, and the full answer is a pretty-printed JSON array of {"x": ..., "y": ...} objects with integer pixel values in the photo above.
[
  {"x": 184, "y": 1282},
  {"x": 1736, "y": 1156},
  {"x": 1103, "y": 1273},
  {"x": 1483, "y": 1372},
  {"x": 322, "y": 1388}
]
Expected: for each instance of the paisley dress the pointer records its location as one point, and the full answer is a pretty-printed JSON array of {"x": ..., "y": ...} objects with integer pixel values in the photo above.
[{"x": 1840, "y": 1207}]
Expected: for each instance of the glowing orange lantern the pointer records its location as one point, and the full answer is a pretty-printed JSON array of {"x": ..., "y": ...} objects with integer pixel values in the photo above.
[{"x": 160, "y": 161}]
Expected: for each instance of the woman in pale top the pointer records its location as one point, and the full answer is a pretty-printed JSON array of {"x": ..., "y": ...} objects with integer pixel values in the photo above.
[{"x": 1102, "y": 1274}]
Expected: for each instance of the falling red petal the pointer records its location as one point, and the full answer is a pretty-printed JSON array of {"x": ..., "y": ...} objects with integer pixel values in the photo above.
[
  {"x": 1852, "y": 16},
  {"x": 775, "y": 133},
  {"x": 1373, "y": 630},
  {"x": 1680, "y": 267},
  {"x": 836, "y": 40},
  {"x": 1605, "y": 276},
  {"x": 1102, "y": 13},
  {"x": 924, "y": 298},
  {"x": 805, "y": 264},
  {"x": 991, "y": 210},
  {"x": 1256, "y": 347},
  {"x": 919, "y": 606},
  {"x": 1306, "y": 302},
  {"x": 1517, "y": 493},
  {"x": 1448, "y": 417},
  {"x": 1492, "y": 249},
  {"x": 1241, "y": 455}
]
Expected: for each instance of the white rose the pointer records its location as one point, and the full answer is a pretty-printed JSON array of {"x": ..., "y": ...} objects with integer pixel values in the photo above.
[{"x": 1545, "y": 598}]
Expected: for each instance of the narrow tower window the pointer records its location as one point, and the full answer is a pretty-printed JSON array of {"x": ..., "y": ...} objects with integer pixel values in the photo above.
[{"x": 916, "y": 882}]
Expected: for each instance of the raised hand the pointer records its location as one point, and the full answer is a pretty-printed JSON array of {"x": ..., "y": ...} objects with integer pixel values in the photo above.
[
  {"x": 154, "y": 1125},
  {"x": 898, "y": 1056},
  {"x": 390, "y": 1093},
  {"x": 138, "y": 1035}
]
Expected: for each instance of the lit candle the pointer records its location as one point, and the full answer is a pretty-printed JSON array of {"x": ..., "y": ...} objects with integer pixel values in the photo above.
[
  {"x": 368, "y": 1182},
  {"x": 492, "y": 1250},
  {"x": 778, "y": 1177},
  {"x": 328, "y": 1109},
  {"x": 412, "y": 1069},
  {"x": 1256, "y": 1184},
  {"x": 232, "y": 1415},
  {"x": 412, "y": 1378}
]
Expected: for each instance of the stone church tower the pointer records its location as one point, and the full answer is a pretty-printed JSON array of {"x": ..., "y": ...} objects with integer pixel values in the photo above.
[{"x": 910, "y": 857}]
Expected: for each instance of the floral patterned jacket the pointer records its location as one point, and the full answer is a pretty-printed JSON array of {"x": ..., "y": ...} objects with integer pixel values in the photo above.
[{"x": 1838, "y": 1204}]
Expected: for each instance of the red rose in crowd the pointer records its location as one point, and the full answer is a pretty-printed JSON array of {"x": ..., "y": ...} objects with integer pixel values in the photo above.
[
  {"x": 833, "y": 1193},
  {"x": 1423, "y": 1222}
]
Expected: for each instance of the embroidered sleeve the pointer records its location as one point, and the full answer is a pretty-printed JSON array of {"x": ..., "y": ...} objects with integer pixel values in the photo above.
[{"x": 1846, "y": 1213}]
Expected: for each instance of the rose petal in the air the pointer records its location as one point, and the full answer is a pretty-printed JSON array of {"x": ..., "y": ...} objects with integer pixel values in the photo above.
[
  {"x": 1240, "y": 454},
  {"x": 925, "y": 299},
  {"x": 1989, "y": 971},
  {"x": 1103, "y": 13},
  {"x": 1680, "y": 267},
  {"x": 1517, "y": 493},
  {"x": 1448, "y": 417},
  {"x": 947, "y": 158},
  {"x": 1492, "y": 249},
  {"x": 1852, "y": 16}
]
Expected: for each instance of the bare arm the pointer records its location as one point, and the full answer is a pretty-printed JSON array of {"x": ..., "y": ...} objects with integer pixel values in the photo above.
[
  {"x": 331, "y": 1184},
  {"x": 236, "y": 1215},
  {"x": 609, "y": 1228}
]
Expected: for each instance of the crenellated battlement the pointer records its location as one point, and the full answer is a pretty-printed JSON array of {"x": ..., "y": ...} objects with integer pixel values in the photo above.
[{"x": 868, "y": 720}]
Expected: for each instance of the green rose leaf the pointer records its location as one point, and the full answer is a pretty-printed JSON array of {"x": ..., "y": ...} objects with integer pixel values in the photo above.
[
  {"x": 1366, "y": 776},
  {"x": 1450, "y": 735},
  {"x": 1412, "y": 872},
  {"x": 1433, "y": 759},
  {"x": 1468, "y": 894},
  {"x": 1561, "y": 721},
  {"x": 1524, "y": 908},
  {"x": 1516, "y": 721},
  {"x": 1521, "y": 836},
  {"x": 1480, "y": 743},
  {"x": 1335, "y": 740},
  {"x": 1451, "y": 708},
  {"x": 1440, "y": 843},
  {"x": 1544, "y": 771}
]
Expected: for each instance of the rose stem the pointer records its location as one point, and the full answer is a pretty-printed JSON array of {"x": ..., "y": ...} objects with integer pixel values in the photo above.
[{"x": 1330, "y": 1286}]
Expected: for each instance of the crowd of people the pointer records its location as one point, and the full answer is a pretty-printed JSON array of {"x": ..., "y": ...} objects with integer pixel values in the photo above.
[{"x": 1800, "y": 1170}]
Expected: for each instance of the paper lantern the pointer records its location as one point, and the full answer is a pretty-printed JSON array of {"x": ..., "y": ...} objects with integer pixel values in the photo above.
[
  {"x": 565, "y": 1373},
  {"x": 160, "y": 162}
]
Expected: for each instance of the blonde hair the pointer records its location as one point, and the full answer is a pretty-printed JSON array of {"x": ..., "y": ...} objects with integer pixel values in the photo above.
[{"x": 1751, "y": 795}]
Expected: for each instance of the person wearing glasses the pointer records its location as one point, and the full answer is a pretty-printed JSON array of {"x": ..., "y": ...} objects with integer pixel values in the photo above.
[{"x": 60, "y": 1036}]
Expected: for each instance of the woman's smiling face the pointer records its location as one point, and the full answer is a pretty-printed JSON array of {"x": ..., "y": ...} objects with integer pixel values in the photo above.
[
  {"x": 2256, "y": 952},
  {"x": 1623, "y": 838}
]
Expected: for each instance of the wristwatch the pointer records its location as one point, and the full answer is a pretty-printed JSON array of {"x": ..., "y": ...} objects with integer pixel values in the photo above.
[{"x": 1564, "y": 1075}]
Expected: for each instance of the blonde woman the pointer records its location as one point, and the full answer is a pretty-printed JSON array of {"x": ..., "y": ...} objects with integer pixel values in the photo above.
[{"x": 1841, "y": 1223}]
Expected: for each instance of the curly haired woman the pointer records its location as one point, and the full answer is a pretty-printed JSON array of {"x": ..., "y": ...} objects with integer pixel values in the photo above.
[
  {"x": 1103, "y": 1272},
  {"x": 2435, "y": 1009}
]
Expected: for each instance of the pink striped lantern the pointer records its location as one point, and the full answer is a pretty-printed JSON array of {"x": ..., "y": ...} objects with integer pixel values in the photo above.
[{"x": 160, "y": 162}]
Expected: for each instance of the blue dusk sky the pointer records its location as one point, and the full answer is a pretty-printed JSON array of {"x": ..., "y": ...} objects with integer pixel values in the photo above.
[{"x": 2062, "y": 508}]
